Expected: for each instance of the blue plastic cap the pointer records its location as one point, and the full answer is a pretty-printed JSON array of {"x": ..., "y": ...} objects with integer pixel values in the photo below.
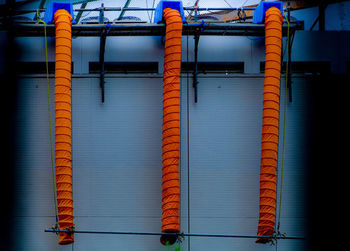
[
  {"x": 53, "y": 7},
  {"x": 176, "y": 5},
  {"x": 259, "y": 13}
]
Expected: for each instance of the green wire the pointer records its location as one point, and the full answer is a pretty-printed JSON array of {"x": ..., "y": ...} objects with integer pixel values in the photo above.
[
  {"x": 284, "y": 124},
  {"x": 49, "y": 108}
]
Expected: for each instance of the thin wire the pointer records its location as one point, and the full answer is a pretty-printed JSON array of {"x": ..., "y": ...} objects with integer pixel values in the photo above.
[
  {"x": 149, "y": 16},
  {"x": 284, "y": 125},
  {"x": 49, "y": 109},
  {"x": 188, "y": 152},
  {"x": 152, "y": 11},
  {"x": 180, "y": 158},
  {"x": 245, "y": 3},
  {"x": 228, "y": 4}
]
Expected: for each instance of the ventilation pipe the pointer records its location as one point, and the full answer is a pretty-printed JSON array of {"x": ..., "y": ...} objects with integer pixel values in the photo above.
[
  {"x": 61, "y": 15},
  {"x": 171, "y": 118},
  {"x": 63, "y": 149},
  {"x": 270, "y": 129},
  {"x": 171, "y": 125}
]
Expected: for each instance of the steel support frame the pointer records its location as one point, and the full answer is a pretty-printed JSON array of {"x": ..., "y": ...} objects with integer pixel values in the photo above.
[{"x": 93, "y": 30}]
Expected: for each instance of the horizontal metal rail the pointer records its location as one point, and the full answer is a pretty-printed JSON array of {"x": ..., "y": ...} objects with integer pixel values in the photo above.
[
  {"x": 153, "y": 9},
  {"x": 89, "y": 30},
  {"x": 138, "y": 9},
  {"x": 178, "y": 234}
]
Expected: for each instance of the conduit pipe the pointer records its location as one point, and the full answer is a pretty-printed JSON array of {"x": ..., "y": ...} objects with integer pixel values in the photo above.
[
  {"x": 270, "y": 129},
  {"x": 63, "y": 160},
  {"x": 171, "y": 125}
]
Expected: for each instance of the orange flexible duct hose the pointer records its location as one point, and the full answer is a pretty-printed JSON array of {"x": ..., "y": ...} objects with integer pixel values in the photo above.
[
  {"x": 171, "y": 125},
  {"x": 269, "y": 141},
  {"x": 63, "y": 23}
]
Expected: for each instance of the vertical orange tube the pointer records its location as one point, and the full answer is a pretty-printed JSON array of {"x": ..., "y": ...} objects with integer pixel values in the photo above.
[
  {"x": 63, "y": 24},
  {"x": 171, "y": 125},
  {"x": 269, "y": 141}
]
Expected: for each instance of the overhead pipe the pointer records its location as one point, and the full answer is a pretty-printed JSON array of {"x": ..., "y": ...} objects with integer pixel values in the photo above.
[{"x": 270, "y": 128}]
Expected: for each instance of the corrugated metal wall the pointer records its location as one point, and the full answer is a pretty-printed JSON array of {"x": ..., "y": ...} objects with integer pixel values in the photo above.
[{"x": 117, "y": 148}]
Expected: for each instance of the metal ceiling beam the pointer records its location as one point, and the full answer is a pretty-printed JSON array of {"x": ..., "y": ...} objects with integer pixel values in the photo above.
[
  {"x": 226, "y": 15},
  {"x": 83, "y": 6},
  {"x": 126, "y": 5},
  {"x": 84, "y": 1},
  {"x": 19, "y": 12}
]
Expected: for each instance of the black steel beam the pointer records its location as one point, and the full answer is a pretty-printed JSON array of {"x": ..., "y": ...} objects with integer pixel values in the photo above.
[
  {"x": 195, "y": 72},
  {"x": 91, "y": 30},
  {"x": 102, "y": 63}
]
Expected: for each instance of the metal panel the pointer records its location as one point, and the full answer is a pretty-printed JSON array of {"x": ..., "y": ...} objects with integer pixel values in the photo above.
[
  {"x": 117, "y": 147},
  {"x": 116, "y": 162},
  {"x": 117, "y": 190},
  {"x": 225, "y": 132}
]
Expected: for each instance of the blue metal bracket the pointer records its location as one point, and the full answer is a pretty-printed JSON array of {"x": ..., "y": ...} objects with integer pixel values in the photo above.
[
  {"x": 176, "y": 5},
  {"x": 259, "y": 13},
  {"x": 53, "y": 7}
]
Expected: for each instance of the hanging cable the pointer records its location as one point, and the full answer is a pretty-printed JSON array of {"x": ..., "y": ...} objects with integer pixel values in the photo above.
[
  {"x": 284, "y": 124},
  {"x": 50, "y": 126},
  {"x": 188, "y": 143}
]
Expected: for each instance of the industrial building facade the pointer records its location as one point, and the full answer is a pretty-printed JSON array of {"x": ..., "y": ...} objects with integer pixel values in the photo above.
[{"x": 117, "y": 144}]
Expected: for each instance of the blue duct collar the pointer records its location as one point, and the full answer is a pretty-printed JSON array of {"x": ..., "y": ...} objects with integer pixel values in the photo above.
[
  {"x": 259, "y": 13},
  {"x": 53, "y": 7},
  {"x": 176, "y": 5}
]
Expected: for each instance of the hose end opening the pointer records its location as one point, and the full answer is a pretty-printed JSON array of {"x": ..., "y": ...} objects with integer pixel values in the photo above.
[{"x": 167, "y": 239}]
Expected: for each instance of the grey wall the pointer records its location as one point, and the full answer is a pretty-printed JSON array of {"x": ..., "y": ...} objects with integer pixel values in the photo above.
[{"x": 117, "y": 146}]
